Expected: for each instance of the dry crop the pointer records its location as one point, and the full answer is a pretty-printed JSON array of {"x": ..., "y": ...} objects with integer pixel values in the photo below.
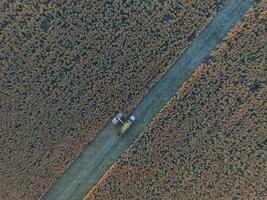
[
  {"x": 209, "y": 142},
  {"x": 67, "y": 66}
]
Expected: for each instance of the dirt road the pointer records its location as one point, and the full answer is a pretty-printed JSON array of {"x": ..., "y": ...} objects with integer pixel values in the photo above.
[{"x": 107, "y": 147}]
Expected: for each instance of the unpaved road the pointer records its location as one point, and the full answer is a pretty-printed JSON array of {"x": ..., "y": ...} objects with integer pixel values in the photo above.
[{"x": 107, "y": 147}]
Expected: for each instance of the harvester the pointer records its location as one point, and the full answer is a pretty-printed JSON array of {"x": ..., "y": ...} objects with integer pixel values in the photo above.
[{"x": 122, "y": 123}]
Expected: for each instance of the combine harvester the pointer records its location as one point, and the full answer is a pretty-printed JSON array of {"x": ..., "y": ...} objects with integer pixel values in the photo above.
[{"x": 121, "y": 123}]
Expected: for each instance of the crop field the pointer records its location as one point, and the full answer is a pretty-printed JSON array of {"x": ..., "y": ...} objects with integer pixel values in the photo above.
[
  {"x": 66, "y": 67},
  {"x": 209, "y": 141}
]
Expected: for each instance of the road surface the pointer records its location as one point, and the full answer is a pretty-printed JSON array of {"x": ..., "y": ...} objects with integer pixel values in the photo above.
[{"x": 107, "y": 147}]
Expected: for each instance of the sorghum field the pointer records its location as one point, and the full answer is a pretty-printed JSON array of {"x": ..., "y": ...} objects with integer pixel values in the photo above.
[
  {"x": 66, "y": 67},
  {"x": 210, "y": 141}
]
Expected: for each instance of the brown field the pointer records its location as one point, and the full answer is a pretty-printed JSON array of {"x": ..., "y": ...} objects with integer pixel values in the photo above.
[
  {"x": 209, "y": 141},
  {"x": 67, "y": 66}
]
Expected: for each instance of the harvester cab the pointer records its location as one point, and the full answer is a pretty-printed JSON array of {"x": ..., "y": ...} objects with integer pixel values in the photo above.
[{"x": 122, "y": 123}]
